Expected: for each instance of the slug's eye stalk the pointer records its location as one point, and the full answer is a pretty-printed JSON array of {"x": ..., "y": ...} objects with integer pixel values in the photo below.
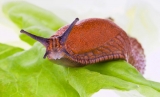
[
  {"x": 42, "y": 40},
  {"x": 38, "y": 38},
  {"x": 66, "y": 33}
]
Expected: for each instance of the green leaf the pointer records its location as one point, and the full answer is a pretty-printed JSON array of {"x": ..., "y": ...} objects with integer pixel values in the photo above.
[
  {"x": 29, "y": 75},
  {"x": 6, "y": 50},
  {"x": 33, "y": 19},
  {"x": 124, "y": 71}
]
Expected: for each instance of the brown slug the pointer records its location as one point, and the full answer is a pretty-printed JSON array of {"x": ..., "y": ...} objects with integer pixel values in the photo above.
[{"x": 90, "y": 41}]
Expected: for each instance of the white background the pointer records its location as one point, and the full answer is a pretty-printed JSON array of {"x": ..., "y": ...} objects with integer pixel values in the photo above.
[{"x": 139, "y": 18}]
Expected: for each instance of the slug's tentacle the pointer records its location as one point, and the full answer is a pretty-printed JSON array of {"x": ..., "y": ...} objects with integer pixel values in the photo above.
[
  {"x": 45, "y": 55},
  {"x": 66, "y": 33},
  {"x": 42, "y": 40},
  {"x": 45, "y": 41}
]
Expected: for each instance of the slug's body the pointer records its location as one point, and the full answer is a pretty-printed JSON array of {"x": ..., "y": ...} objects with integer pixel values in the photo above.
[{"x": 90, "y": 41}]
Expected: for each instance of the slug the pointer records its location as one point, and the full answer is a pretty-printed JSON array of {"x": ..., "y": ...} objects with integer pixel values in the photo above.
[{"x": 90, "y": 41}]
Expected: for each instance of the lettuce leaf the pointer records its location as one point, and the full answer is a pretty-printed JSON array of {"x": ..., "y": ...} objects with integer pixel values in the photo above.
[
  {"x": 6, "y": 50},
  {"x": 27, "y": 74}
]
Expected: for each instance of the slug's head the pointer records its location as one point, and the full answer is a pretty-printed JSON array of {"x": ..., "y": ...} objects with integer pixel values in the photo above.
[{"x": 54, "y": 45}]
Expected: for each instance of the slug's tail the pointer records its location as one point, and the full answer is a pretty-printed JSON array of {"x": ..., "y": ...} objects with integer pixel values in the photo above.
[{"x": 137, "y": 57}]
